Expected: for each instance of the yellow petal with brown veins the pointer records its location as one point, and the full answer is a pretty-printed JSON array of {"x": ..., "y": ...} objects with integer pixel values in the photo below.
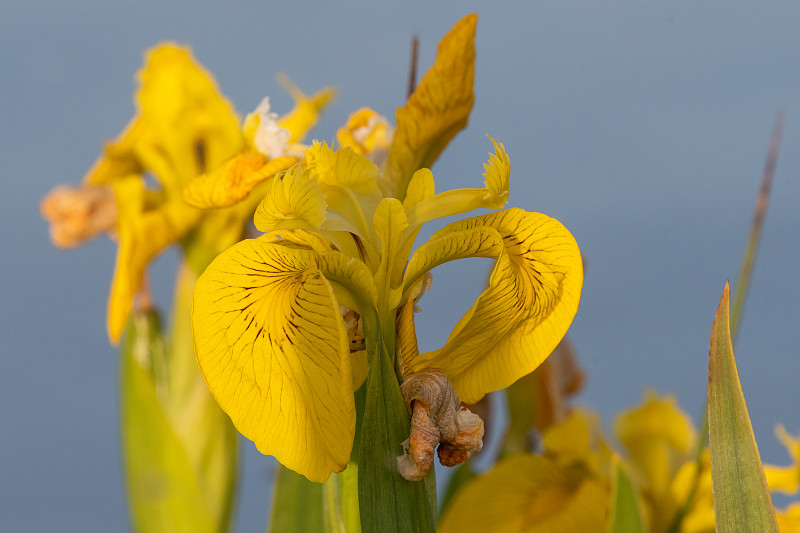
[
  {"x": 436, "y": 111},
  {"x": 519, "y": 319},
  {"x": 274, "y": 351}
]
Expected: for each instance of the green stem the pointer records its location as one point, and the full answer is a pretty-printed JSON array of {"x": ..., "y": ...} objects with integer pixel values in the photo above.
[{"x": 388, "y": 502}]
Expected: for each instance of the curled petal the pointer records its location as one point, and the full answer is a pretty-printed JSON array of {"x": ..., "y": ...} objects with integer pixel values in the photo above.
[
  {"x": 294, "y": 201},
  {"x": 496, "y": 173},
  {"x": 274, "y": 351},
  {"x": 494, "y": 195},
  {"x": 230, "y": 183},
  {"x": 436, "y": 111},
  {"x": 518, "y": 320},
  {"x": 436, "y": 420}
]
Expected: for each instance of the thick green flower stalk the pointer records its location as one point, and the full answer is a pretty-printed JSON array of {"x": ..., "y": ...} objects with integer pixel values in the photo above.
[
  {"x": 288, "y": 326},
  {"x": 179, "y": 448}
]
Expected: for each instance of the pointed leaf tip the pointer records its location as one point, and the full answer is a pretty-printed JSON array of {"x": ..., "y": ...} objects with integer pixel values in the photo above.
[{"x": 740, "y": 490}]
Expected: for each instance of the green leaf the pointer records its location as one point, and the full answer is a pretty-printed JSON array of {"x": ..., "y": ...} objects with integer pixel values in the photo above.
[
  {"x": 179, "y": 448},
  {"x": 626, "y": 515},
  {"x": 340, "y": 501},
  {"x": 387, "y": 502},
  {"x": 296, "y": 503},
  {"x": 164, "y": 492},
  {"x": 741, "y": 498}
]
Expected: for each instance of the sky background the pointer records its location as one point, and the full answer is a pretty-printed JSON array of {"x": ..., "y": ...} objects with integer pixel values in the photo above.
[{"x": 643, "y": 127}]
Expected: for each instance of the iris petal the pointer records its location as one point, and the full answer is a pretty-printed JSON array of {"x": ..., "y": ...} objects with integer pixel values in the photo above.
[
  {"x": 518, "y": 320},
  {"x": 530, "y": 493},
  {"x": 230, "y": 183},
  {"x": 273, "y": 349},
  {"x": 436, "y": 111}
]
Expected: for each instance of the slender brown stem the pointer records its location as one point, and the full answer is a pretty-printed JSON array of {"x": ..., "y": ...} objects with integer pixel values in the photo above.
[
  {"x": 412, "y": 71},
  {"x": 741, "y": 291},
  {"x": 758, "y": 224}
]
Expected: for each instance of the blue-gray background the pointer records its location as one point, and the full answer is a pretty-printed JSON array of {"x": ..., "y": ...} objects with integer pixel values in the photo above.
[{"x": 642, "y": 126}]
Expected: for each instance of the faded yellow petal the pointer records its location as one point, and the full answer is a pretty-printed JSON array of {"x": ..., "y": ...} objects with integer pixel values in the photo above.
[
  {"x": 436, "y": 111},
  {"x": 230, "y": 183},
  {"x": 700, "y": 511},
  {"x": 273, "y": 349},
  {"x": 789, "y": 518},
  {"x": 119, "y": 157},
  {"x": 143, "y": 233},
  {"x": 785, "y": 479},
  {"x": 307, "y": 109},
  {"x": 519, "y": 319},
  {"x": 529, "y": 494},
  {"x": 190, "y": 121},
  {"x": 658, "y": 436}
]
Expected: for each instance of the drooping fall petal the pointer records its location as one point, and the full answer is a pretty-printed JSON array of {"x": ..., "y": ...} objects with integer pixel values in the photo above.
[
  {"x": 274, "y": 351},
  {"x": 516, "y": 322},
  {"x": 436, "y": 111}
]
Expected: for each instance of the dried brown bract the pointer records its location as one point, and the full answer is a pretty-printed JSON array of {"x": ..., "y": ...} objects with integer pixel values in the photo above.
[
  {"x": 436, "y": 420},
  {"x": 79, "y": 214}
]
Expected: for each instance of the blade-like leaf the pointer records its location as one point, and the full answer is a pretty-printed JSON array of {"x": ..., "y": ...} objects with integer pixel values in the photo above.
[
  {"x": 296, "y": 503},
  {"x": 741, "y": 497},
  {"x": 626, "y": 515},
  {"x": 387, "y": 502},
  {"x": 164, "y": 491}
]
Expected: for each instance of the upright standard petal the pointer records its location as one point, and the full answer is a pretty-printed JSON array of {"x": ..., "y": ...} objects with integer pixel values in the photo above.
[
  {"x": 273, "y": 349},
  {"x": 436, "y": 111},
  {"x": 519, "y": 319}
]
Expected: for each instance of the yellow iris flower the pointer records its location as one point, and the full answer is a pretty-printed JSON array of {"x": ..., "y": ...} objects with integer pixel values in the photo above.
[
  {"x": 660, "y": 441},
  {"x": 183, "y": 128},
  {"x": 566, "y": 488},
  {"x": 269, "y": 332}
]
